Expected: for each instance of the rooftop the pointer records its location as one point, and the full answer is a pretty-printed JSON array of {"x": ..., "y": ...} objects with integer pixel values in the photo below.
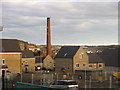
[
  {"x": 67, "y": 51},
  {"x": 9, "y": 45},
  {"x": 27, "y": 54},
  {"x": 110, "y": 56},
  {"x": 94, "y": 58}
]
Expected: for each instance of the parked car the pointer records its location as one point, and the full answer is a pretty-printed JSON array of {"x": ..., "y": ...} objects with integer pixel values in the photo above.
[{"x": 68, "y": 84}]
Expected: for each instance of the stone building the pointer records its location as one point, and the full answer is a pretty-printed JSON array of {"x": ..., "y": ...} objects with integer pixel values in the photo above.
[
  {"x": 28, "y": 61},
  {"x": 10, "y": 54},
  {"x": 74, "y": 58},
  {"x": 39, "y": 63},
  {"x": 48, "y": 62},
  {"x": 111, "y": 58},
  {"x": 15, "y": 55},
  {"x": 44, "y": 62}
]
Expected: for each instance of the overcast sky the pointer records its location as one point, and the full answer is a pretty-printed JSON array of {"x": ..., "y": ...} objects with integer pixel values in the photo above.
[{"x": 72, "y": 23}]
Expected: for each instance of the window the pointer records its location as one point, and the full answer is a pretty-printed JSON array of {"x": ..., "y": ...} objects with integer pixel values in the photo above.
[
  {"x": 84, "y": 65},
  {"x": 100, "y": 65},
  {"x": 66, "y": 83},
  {"x": 37, "y": 68},
  {"x": 81, "y": 56},
  {"x": 3, "y": 61},
  {"x": 77, "y": 65},
  {"x": 90, "y": 65},
  {"x": 26, "y": 65},
  {"x": 94, "y": 65}
]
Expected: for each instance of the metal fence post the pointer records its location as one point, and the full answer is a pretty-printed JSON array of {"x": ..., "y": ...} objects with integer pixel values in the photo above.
[
  {"x": 32, "y": 77},
  {"x": 105, "y": 75},
  {"x": 44, "y": 79},
  {"x": 85, "y": 80},
  {"x": 6, "y": 80},
  {"x": 72, "y": 77},
  {"x": 57, "y": 76},
  {"x": 21, "y": 76},
  {"x": 110, "y": 81},
  {"x": 3, "y": 79},
  {"x": 90, "y": 83}
]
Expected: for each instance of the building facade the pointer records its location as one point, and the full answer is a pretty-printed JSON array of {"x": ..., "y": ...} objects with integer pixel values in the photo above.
[
  {"x": 74, "y": 58},
  {"x": 10, "y": 54},
  {"x": 48, "y": 62},
  {"x": 15, "y": 55},
  {"x": 28, "y": 61},
  {"x": 111, "y": 58}
]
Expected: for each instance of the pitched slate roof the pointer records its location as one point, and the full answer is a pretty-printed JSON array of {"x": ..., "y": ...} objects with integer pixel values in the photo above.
[
  {"x": 9, "y": 45},
  {"x": 27, "y": 54},
  {"x": 110, "y": 57},
  {"x": 94, "y": 58},
  {"x": 39, "y": 59},
  {"x": 67, "y": 51}
]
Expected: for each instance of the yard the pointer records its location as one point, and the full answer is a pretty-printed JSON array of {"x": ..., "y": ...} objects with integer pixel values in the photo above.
[{"x": 46, "y": 78}]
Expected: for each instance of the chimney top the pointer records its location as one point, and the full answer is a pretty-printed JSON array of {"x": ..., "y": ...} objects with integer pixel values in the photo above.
[{"x": 48, "y": 17}]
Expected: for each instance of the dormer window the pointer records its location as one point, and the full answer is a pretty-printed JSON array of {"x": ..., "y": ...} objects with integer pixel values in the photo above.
[{"x": 65, "y": 54}]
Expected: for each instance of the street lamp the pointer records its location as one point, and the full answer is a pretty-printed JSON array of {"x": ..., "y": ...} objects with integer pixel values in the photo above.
[{"x": 4, "y": 68}]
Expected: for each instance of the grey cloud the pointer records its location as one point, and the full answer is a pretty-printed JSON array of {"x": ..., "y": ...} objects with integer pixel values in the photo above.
[{"x": 73, "y": 20}]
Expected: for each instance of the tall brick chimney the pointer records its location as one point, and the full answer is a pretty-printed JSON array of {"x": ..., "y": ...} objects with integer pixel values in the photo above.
[{"x": 48, "y": 37}]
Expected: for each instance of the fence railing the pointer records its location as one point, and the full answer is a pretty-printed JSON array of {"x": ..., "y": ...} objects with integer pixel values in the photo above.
[
  {"x": 20, "y": 85},
  {"x": 91, "y": 81}
]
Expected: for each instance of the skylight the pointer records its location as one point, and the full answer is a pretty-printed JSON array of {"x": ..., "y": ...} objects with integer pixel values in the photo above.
[{"x": 65, "y": 54}]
